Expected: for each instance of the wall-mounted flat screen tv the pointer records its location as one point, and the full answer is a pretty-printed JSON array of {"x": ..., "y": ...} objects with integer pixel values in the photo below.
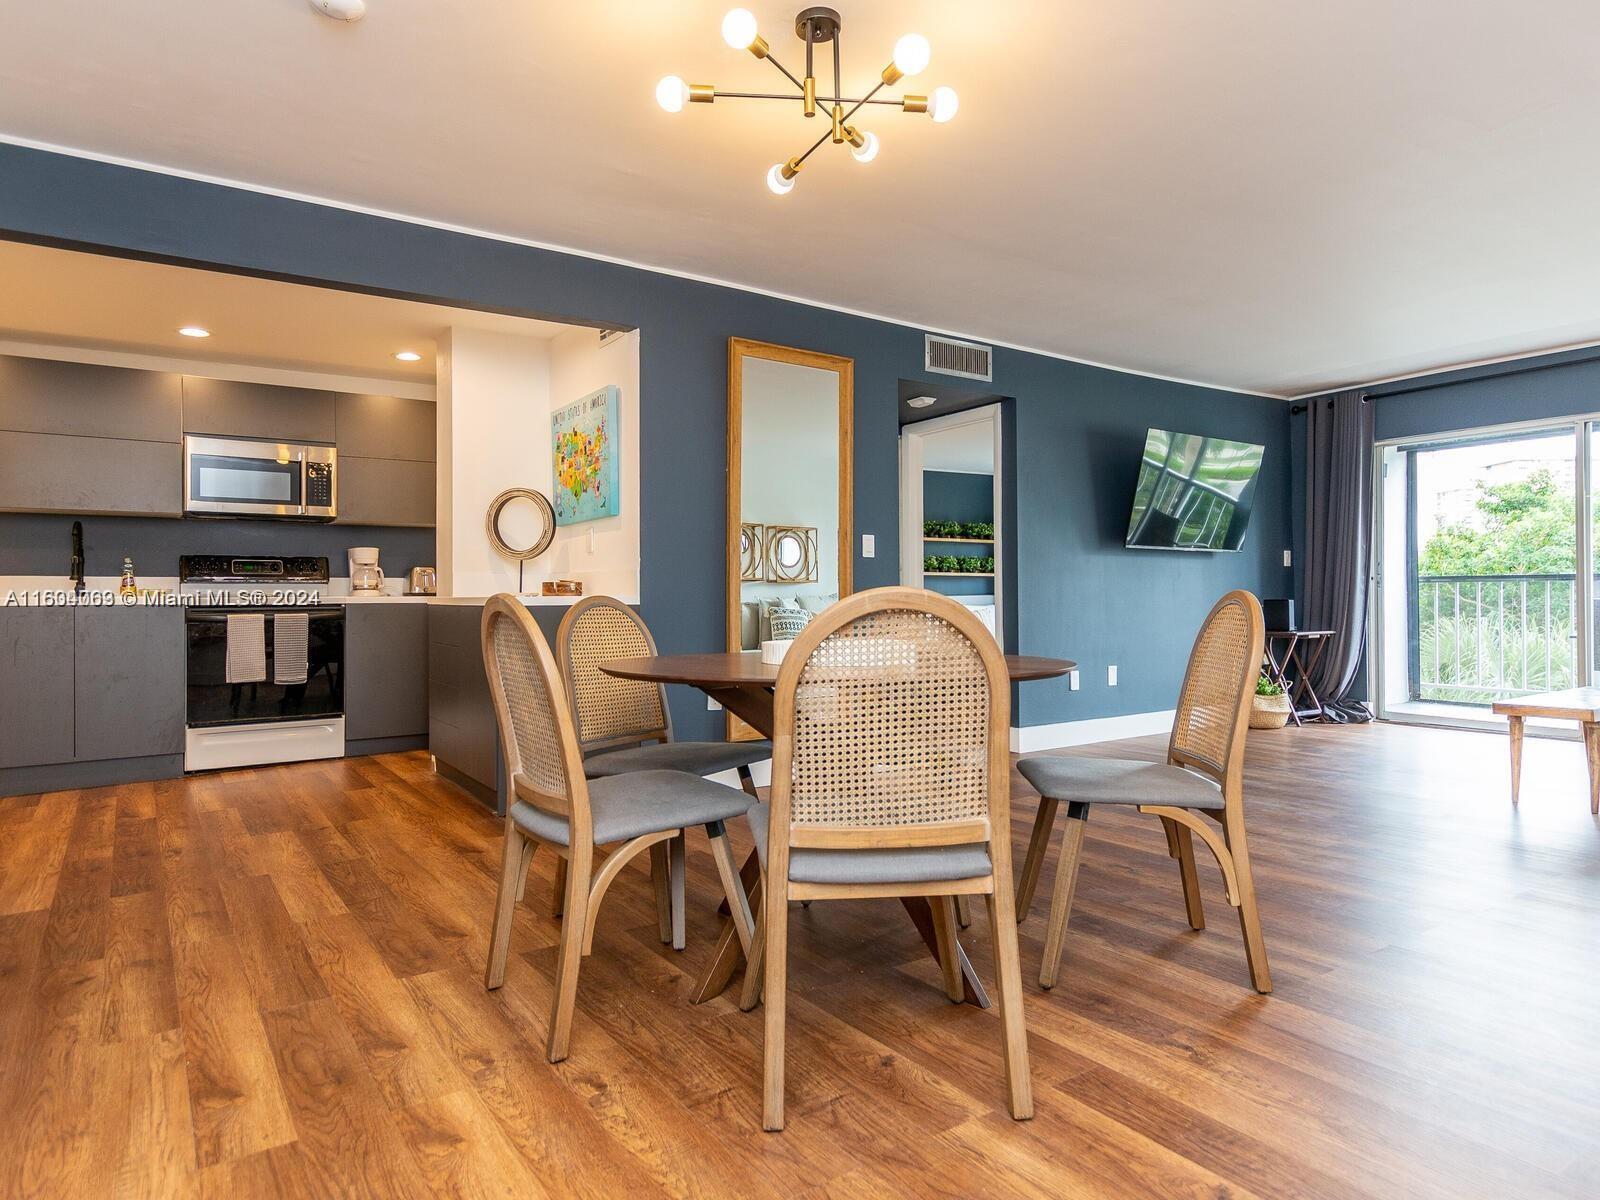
[{"x": 1194, "y": 492}]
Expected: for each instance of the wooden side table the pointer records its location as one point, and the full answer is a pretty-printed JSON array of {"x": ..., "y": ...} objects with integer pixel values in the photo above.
[
  {"x": 1302, "y": 649},
  {"x": 1574, "y": 704}
]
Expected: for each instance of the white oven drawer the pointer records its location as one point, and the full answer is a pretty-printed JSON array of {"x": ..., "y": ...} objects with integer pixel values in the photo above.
[{"x": 214, "y": 747}]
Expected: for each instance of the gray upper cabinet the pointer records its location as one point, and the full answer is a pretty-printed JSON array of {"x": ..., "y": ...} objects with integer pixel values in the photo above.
[
  {"x": 386, "y": 427},
  {"x": 39, "y": 395},
  {"x": 130, "y": 666},
  {"x": 223, "y": 408},
  {"x": 385, "y": 491},
  {"x": 385, "y": 671},
  {"x": 35, "y": 686},
  {"x": 47, "y": 472}
]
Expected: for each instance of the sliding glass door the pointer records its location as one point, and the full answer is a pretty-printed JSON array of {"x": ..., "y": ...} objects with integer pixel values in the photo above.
[{"x": 1485, "y": 577}]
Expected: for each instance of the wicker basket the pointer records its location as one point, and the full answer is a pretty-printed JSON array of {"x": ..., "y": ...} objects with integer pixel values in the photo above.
[{"x": 1269, "y": 712}]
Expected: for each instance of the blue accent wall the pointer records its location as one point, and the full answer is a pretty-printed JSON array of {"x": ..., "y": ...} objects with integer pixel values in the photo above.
[{"x": 1074, "y": 432}]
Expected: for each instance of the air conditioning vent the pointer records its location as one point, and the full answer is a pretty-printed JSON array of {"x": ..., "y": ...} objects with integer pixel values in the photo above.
[{"x": 952, "y": 356}]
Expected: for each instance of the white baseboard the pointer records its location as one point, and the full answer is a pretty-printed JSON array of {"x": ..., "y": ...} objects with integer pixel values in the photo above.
[{"x": 1083, "y": 733}]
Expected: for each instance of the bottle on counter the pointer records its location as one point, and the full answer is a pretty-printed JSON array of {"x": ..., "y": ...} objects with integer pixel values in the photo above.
[{"x": 129, "y": 586}]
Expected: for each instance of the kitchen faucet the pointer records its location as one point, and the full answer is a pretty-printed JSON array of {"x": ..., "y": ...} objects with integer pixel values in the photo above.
[{"x": 76, "y": 570}]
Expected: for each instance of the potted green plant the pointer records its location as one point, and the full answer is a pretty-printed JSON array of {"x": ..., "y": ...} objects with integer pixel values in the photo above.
[
  {"x": 939, "y": 530},
  {"x": 978, "y": 530},
  {"x": 1269, "y": 708}
]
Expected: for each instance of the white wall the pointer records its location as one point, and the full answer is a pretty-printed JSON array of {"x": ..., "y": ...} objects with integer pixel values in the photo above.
[
  {"x": 604, "y": 553},
  {"x": 496, "y": 393}
]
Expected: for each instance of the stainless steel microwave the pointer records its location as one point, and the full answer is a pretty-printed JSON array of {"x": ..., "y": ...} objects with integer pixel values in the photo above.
[{"x": 241, "y": 478}]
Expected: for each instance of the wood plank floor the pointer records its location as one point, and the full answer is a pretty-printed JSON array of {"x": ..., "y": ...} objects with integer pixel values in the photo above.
[{"x": 267, "y": 983}]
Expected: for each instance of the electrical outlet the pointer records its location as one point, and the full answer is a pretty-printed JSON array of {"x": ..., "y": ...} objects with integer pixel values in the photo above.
[
  {"x": 869, "y": 545},
  {"x": 1072, "y": 681},
  {"x": 1286, "y": 561},
  {"x": 712, "y": 705},
  {"x": 1111, "y": 675}
]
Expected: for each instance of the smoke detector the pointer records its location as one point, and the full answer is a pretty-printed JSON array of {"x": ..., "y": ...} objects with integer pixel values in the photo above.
[
  {"x": 341, "y": 10},
  {"x": 921, "y": 402}
]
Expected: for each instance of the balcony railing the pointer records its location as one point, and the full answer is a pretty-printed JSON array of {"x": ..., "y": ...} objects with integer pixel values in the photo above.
[{"x": 1481, "y": 638}]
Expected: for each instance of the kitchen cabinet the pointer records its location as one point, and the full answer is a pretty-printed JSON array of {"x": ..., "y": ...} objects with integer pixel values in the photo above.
[
  {"x": 42, "y": 395},
  {"x": 35, "y": 686},
  {"x": 386, "y": 427},
  {"x": 385, "y": 491},
  {"x": 226, "y": 408},
  {"x": 49, "y": 472},
  {"x": 385, "y": 671},
  {"x": 129, "y": 675},
  {"x": 461, "y": 725}
]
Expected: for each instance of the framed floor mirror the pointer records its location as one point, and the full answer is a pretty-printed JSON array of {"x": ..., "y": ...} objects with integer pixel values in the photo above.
[{"x": 790, "y": 491}]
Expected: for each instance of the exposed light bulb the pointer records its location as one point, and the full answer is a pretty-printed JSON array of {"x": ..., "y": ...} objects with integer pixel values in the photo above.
[
  {"x": 943, "y": 103},
  {"x": 911, "y": 54},
  {"x": 780, "y": 185},
  {"x": 739, "y": 28},
  {"x": 194, "y": 331},
  {"x": 672, "y": 93},
  {"x": 868, "y": 150}
]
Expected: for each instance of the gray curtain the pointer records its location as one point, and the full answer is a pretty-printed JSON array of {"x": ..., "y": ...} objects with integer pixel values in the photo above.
[{"x": 1339, "y": 435}]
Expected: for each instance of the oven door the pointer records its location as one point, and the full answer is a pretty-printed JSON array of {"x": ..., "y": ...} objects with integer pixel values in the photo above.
[
  {"x": 260, "y": 479},
  {"x": 214, "y": 701}
]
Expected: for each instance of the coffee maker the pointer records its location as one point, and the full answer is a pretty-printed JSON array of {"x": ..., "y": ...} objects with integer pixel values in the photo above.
[{"x": 365, "y": 573}]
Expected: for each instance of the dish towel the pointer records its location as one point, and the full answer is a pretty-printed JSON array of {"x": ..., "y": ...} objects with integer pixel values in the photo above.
[
  {"x": 289, "y": 634},
  {"x": 247, "y": 648}
]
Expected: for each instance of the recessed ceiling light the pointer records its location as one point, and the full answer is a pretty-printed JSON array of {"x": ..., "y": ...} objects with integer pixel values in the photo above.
[
  {"x": 194, "y": 331},
  {"x": 922, "y": 401},
  {"x": 408, "y": 356}
]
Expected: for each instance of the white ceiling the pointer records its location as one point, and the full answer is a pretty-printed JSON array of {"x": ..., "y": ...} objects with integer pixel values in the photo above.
[
  {"x": 93, "y": 300},
  {"x": 1269, "y": 194}
]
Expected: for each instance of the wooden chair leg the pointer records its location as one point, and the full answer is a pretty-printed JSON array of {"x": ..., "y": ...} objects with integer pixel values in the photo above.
[
  {"x": 1255, "y": 944},
  {"x": 748, "y": 783},
  {"x": 964, "y": 912},
  {"x": 1008, "y": 982},
  {"x": 1066, "y": 886},
  {"x": 559, "y": 892},
  {"x": 1182, "y": 839},
  {"x": 661, "y": 880},
  {"x": 570, "y": 955},
  {"x": 776, "y": 985},
  {"x": 1042, "y": 824},
  {"x": 755, "y": 965},
  {"x": 512, "y": 855},
  {"x": 944, "y": 926},
  {"x": 528, "y": 847},
  {"x": 732, "y": 887},
  {"x": 676, "y": 849}
]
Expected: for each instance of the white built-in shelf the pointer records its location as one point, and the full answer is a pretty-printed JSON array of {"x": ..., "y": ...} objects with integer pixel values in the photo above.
[
  {"x": 975, "y": 541},
  {"x": 963, "y": 574}
]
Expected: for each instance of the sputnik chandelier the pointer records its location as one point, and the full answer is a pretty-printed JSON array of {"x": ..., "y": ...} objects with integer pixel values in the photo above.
[{"x": 816, "y": 27}]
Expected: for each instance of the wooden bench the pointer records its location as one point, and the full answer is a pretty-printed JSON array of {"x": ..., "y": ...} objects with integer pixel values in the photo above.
[{"x": 1575, "y": 704}]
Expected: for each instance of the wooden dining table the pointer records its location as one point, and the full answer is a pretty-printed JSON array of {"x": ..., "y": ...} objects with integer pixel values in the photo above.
[{"x": 743, "y": 684}]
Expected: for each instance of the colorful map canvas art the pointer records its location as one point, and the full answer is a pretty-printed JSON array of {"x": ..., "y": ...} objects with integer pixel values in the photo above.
[{"x": 586, "y": 471}]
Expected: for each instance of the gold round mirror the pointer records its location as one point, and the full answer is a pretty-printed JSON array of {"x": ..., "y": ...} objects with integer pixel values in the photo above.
[{"x": 521, "y": 524}]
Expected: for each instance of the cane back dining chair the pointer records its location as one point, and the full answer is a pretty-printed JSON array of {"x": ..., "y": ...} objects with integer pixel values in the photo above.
[
  {"x": 890, "y": 777},
  {"x": 552, "y": 803},
  {"x": 1200, "y": 785},
  {"x": 624, "y": 725}
]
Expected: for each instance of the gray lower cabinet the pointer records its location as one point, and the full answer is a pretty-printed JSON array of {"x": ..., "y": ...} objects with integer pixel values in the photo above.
[
  {"x": 383, "y": 491},
  {"x": 385, "y": 671},
  {"x": 35, "y": 686},
  {"x": 49, "y": 472},
  {"x": 461, "y": 725},
  {"x": 130, "y": 674}
]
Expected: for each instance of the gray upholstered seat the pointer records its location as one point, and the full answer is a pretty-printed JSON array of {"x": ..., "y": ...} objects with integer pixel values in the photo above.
[
  {"x": 696, "y": 758},
  {"x": 919, "y": 865},
  {"x": 1117, "y": 781},
  {"x": 640, "y": 802}
]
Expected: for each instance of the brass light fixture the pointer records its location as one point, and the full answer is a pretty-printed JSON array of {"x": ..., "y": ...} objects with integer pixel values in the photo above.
[{"x": 816, "y": 27}]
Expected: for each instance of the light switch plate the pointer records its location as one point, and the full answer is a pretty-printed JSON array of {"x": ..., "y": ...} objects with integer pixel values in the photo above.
[
  {"x": 1111, "y": 675},
  {"x": 869, "y": 545},
  {"x": 1286, "y": 561},
  {"x": 1072, "y": 681}
]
